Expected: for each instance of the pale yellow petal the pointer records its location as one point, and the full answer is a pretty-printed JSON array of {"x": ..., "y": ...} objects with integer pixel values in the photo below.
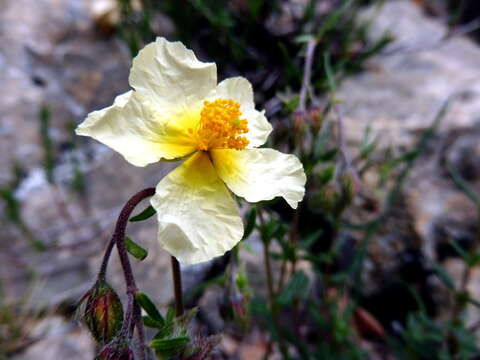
[
  {"x": 240, "y": 90},
  {"x": 261, "y": 174},
  {"x": 138, "y": 132},
  {"x": 197, "y": 217},
  {"x": 171, "y": 77}
]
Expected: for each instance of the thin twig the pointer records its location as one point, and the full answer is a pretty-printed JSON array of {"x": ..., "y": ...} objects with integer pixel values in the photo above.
[
  {"x": 106, "y": 258},
  {"x": 341, "y": 137},
  {"x": 346, "y": 161},
  {"x": 307, "y": 73},
  {"x": 268, "y": 266}
]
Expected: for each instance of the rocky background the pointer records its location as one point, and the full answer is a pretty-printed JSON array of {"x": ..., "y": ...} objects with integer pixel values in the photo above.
[{"x": 61, "y": 60}]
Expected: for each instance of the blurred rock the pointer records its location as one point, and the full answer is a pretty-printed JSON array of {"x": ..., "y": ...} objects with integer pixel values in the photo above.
[
  {"x": 398, "y": 96},
  {"x": 456, "y": 270},
  {"x": 403, "y": 87},
  {"x": 58, "y": 339}
]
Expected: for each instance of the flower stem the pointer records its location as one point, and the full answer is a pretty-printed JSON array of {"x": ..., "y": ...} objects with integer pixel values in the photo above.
[
  {"x": 177, "y": 286},
  {"x": 119, "y": 233},
  {"x": 132, "y": 317},
  {"x": 106, "y": 258},
  {"x": 271, "y": 293}
]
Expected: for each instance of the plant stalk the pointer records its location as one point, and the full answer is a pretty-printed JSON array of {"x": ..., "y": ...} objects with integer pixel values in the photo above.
[
  {"x": 177, "y": 287},
  {"x": 132, "y": 315}
]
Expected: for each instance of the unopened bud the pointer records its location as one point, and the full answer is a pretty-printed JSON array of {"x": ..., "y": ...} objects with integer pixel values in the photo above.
[
  {"x": 350, "y": 185},
  {"x": 240, "y": 313},
  {"x": 115, "y": 351},
  {"x": 326, "y": 199},
  {"x": 299, "y": 119},
  {"x": 103, "y": 312},
  {"x": 316, "y": 119}
]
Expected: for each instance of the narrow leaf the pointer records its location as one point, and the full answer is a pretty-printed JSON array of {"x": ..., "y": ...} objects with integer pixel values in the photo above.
[
  {"x": 134, "y": 249},
  {"x": 167, "y": 346},
  {"x": 165, "y": 332},
  {"x": 144, "y": 215},
  {"x": 147, "y": 305},
  {"x": 152, "y": 323},
  {"x": 170, "y": 315},
  {"x": 297, "y": 288},
  {"x": 251, "y": 219},
  {"x": 443, "y": 276}
]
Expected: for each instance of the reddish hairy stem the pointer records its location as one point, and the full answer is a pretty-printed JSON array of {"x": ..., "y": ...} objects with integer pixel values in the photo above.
[{"x": 132, "y": 315}]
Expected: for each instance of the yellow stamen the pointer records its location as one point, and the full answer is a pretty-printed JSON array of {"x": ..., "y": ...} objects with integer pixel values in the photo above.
[{"x": 220, "y": 126}]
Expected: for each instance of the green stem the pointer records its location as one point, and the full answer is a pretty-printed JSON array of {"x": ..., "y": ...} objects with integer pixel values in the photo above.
[
  {"x": 268, "y": 268},
  {"x": 266, "y": 257},
  {"x": 271, "y": 294}
]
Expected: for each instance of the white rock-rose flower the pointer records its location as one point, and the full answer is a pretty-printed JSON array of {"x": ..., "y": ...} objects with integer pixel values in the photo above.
[{"x": 177, "y": 110}]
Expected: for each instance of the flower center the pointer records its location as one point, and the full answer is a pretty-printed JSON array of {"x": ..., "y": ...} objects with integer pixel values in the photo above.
[{"x": 220, "y": 126}]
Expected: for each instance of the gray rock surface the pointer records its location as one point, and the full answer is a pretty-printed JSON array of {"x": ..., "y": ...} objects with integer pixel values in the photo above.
[
  {"x": 58, "y": 339},
  {"x": 398, "y": 96},
  {"x": 404, "y": 87},
  {"x": 57, "y": 57}
]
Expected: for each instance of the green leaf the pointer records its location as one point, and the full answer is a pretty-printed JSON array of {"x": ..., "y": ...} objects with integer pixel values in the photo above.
[
  {"x": 146, "y": 304},
  {"x": 327, "y": 174},
  {"x": 473, "y": 301},
  {"x": 134, "y": 249},
  {"x": 443, "y": 276},
  {"x": 310, "y": 239},
  {"x": 298, "y": 287},
  {"x": 152, "y": 323},
  {"x": 170, "y": 315},
  {"x": 260, "y": 310},
  {"x": 463, "y": 185},
  {"x": 165, "y": 331},
  {"x": 322, "y": 140},
  {"x": 251, "y": 220},
  {"x": 332, "y": 20},
  {"x": 459, "y": 250},
  {"x": 473, "y": 260},
  {"x": 144, "y": 215},
  {"x": 255, "y": 6},
  {"x": 328, "y": 155},
  {"x": 47, "y": 142},
  {"x": 328, "y": 71},
  {"x": 169, "y": 347},
  {"x": 268, "y": 230}
]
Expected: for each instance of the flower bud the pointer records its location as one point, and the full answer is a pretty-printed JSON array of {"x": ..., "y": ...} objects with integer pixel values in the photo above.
[
  {"x": 326, "y": 199},
  {"x": 350, "y": 185},
  {"x": 115, "y": 351},
  {"x": 103, "y": 312},
  {"x": 299, "y": 119},
  {"x": 316, "y": 119}
]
